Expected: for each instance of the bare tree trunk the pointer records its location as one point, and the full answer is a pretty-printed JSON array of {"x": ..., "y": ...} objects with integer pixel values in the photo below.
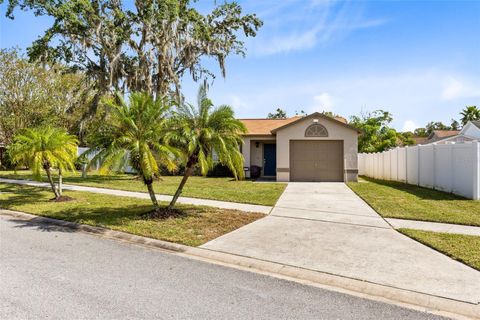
[
  {"x": 52, "y": 184},
  {"x": 60, "y": 182},
  {"x": 192, "y": 161},
  {"x": 151, "y": 192}
]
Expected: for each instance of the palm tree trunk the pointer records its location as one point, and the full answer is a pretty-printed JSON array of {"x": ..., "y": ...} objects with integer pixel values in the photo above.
[
  {"x": 152, "y": 194},
  {"x": 84, "y": 170},
  {"x": 192, "y": 161},
  {"x": 52, "y": 184},
  {"x": 188, "y": 173},
  {"x": 60, "y": 182}
]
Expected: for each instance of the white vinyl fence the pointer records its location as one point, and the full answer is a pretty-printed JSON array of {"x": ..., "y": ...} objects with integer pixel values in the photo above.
[{"x": 451, "y": 168}]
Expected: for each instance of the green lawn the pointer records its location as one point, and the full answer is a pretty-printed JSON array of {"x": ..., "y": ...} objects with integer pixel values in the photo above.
[
  {"x": 225, "y": 189},
  {"x": 197, "y": 226},
  {"x": 460, "y": 247},
  {"x": 399, "y": 200}
]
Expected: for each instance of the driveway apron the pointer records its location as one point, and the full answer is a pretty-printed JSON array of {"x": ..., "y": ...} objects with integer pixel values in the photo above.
[{"x": 326, "y": 227}]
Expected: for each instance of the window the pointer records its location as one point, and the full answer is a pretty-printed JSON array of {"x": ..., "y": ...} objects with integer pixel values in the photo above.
[{"x": 316, "y": 130}]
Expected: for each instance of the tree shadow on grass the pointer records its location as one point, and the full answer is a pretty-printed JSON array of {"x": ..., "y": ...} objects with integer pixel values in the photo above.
[
  {"x": 20, "y": 193},
  {"x": 77, "y": 211},
  {"x": 417, "y": 191},
  {"x": 67, "y": 219}
]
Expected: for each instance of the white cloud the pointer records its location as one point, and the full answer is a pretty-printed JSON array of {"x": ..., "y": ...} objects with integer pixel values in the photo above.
[
  {"x": 295, "y": 26},
  {"x": 289, "y": 43},
  {"x": 459, "y": 89},
  {"x": 322, "y": 102},
  {"x": 452, "y": 90},
  {"x": 409, "y": 125},
  {"x": 237, "y": 103}
]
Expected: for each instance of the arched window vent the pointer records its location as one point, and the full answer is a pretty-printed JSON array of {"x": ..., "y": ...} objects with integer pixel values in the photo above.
[{"x": 316, "y": 130}]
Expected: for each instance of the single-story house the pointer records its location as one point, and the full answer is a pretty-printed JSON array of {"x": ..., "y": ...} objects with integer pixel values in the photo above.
[
  {"x": 469, "y": 132},
  {"x": 438, "y": 135},
  {"x": 309, "y": 148}
]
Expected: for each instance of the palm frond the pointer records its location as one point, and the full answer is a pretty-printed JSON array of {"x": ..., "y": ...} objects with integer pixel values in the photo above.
[
  {"x": 200, "y": 130},
  {"x": 44, "y": 147},
  {"x": 138, "y": 132}
]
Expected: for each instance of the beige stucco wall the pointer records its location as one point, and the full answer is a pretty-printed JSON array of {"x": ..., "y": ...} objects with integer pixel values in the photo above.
[
  {"x": 252, "y": 155},
  {"x": 335, "y": 132},
  {"x": 256, "y": 154}
]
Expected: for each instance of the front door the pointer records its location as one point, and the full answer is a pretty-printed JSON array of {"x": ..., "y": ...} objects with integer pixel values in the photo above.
[{"x": 269, "y": 159}]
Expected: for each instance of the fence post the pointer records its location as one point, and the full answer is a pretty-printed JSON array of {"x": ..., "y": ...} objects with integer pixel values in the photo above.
[
  {"x": 406, "y": 164},
  {"x": 434, "y": 180},
  {"x": 452, "y": 167},
  {"x": 476, "y": 170},
  {"x": 418, "y": 165},
  {"x": 398, "y": 172}
]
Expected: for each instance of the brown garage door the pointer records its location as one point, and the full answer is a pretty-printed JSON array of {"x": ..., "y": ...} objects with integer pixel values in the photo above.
[{"x": 316, "y": 160}]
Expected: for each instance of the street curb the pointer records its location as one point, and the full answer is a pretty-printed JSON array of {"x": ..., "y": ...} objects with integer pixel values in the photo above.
[{"x": 368, "y": 290}]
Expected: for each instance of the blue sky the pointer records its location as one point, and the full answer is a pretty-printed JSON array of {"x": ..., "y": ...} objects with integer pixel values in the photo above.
[{"x": 420, "y": 60}]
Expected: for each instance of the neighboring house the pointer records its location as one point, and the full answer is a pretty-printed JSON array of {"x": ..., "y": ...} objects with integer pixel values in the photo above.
[
  {"x": 469, "y": 132},
  {"x": 437, "y": 135},
  {"x": 311, "y": 148},
  {"x": 419, "y": 140},
  {"x": 471, "y": 129}
]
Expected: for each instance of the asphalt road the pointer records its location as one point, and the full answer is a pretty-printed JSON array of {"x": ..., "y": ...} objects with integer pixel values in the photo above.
[{"x": 50, "y": 273}]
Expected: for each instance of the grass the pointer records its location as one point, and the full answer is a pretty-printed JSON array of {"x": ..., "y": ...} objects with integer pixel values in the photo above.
[
  {"x": 463, "y": 248},
  {"x": 197, "y": 226},
  {"x": 399, "y": 200},
  {"x": 225, "y": 189}
]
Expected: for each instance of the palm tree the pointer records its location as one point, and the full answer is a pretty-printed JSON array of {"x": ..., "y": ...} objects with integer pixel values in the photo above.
[
  {"x": 45, "y": 148},
  {"x": 470, "y": 113},
  {"x": 133, "y": 135},
  {"x": 201, "y": 130}
]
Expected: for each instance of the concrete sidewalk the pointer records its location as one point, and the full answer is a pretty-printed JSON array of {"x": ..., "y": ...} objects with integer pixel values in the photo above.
[
  {"x": 434, "y": 226},
  {"x": 160, "y": 197},
  {"x": 326, "y": 227}
]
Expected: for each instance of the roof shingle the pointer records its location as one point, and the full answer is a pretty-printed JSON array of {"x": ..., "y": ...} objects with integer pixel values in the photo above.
[
  {"x": 445, "y": 133},
  {"x": 257, "y": 127}
]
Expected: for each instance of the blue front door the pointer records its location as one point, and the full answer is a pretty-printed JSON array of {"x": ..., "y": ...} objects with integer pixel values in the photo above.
[{"x": 269, "y": 159}]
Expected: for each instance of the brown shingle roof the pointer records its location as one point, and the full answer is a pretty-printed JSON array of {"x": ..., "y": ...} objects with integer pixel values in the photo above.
[
  {"x": 437, "y": 135},
  {"x": 257, "y": 127},
  {"x": 337, "y": 120},
  {"x": 419, "y": 140},
  {"x": 445, "y": 133},
  {"x": 265, "y": 126}
]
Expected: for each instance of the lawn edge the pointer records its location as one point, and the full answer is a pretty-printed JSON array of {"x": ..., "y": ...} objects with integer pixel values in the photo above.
[
  {"x": 407, "y": 218},
  {"x": 159, "y": 194},
  {"x": 372, "y": 291},
  {"x": 433, "y": 221},
  {"x": 403, "y": 231}
]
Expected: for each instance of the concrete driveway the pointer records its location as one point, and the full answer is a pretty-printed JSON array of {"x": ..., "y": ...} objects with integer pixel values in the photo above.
[{"x": 326, "y": 227}]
